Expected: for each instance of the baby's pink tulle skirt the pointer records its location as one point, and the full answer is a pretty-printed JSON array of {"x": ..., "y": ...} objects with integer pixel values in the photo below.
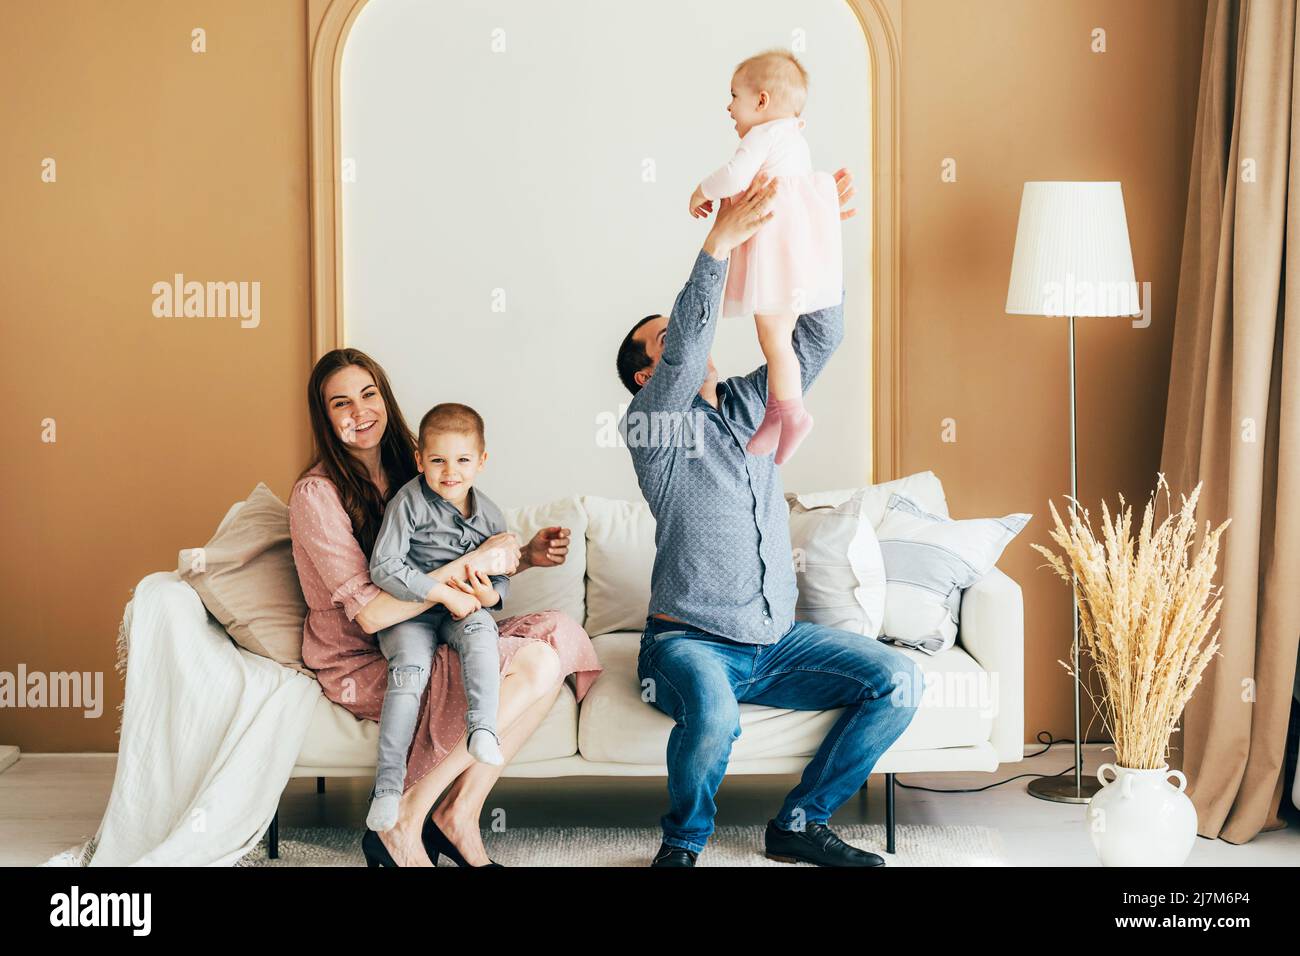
[{"x": 793, "y": 264}]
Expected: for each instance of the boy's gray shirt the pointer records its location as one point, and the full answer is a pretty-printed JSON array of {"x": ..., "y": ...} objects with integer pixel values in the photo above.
[{"x": 422, "y": 531}]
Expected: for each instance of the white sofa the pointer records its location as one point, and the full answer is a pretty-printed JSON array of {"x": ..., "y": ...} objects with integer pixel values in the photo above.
[{"x": 971, "y": 719}]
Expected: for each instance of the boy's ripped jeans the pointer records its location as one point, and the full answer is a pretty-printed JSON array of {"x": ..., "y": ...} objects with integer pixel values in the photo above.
[{"x": 409, "y": 648}]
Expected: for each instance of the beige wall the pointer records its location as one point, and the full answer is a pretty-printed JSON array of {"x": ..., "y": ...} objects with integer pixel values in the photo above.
[
  {"x": 170, "y": 161},
  {"x": 1012, "y": 97}
]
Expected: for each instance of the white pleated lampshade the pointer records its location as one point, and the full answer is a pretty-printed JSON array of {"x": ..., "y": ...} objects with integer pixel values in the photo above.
[{"x": 1072, "y": 252}]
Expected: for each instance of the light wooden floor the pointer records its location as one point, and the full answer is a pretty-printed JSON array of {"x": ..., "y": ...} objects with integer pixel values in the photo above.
[{"x": 48, "y": 802}]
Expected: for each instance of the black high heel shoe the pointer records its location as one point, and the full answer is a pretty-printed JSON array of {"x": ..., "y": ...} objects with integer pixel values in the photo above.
[
  {"x": 373, "y": 849},
  {"x": 435, "y": 842},
  {"x": 376, "y": 854}
]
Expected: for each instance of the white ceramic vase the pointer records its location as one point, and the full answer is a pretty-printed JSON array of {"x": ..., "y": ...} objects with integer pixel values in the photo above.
[{"x": 1138, "y": 818}]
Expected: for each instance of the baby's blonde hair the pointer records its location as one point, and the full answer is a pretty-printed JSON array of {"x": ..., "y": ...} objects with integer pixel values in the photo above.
[{"x": 778, "y": 72}]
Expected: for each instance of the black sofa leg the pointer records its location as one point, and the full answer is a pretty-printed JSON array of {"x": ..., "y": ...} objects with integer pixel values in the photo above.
[
  {"x": 889, "y": 813},
  {"x": 320, "y": 784},
  {"x": 273, "y": 837}
]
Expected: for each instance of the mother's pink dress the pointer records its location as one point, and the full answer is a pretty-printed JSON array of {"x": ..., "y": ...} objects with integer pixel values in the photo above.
[{"x": 335, "y": 577}]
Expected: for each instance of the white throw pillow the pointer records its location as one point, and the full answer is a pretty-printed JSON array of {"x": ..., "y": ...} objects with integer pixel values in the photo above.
[
  {"x": 558, "y": 588},
  {"x": 620, "y": 558},
  {"x": 838, "y": 565},
  {"x": 929, "y": 560},
  {"x": 923, "y": 487}
]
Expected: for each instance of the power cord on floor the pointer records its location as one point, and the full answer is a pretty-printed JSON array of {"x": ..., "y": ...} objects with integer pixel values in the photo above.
[{"x": 1047, "y": 745}]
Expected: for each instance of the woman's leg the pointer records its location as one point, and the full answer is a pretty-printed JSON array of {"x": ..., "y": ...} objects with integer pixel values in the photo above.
[
  {"x": 521, "y": 687},
  {"x": 457, "y": 815}
]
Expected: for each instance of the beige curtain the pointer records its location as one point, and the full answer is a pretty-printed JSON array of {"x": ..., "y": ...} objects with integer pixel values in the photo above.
[{"x": 1233, "y": 418}]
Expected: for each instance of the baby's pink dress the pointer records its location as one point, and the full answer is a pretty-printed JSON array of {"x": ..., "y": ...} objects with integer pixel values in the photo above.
[{"x": 792, "y": 265}]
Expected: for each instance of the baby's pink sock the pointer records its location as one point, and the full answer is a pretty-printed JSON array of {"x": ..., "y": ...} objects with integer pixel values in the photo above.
[
  {"x": 769, "y": 432},
  {"x": 796, "y": 423}
]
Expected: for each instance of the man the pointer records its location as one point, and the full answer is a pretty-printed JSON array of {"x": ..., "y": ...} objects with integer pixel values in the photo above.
[{"x": 721, "y": 629}]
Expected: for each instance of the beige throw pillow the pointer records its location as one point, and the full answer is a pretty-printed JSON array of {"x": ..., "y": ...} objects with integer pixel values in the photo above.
[
  {"x": 559, "y": 588},
  {"x": 838, "y": 565},
  {"x": 246, "y": 578},
  {"x": 620, "y": 557}
]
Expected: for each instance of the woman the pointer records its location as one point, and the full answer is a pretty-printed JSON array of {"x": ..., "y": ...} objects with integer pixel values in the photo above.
[{"x": 364, "y": 452}]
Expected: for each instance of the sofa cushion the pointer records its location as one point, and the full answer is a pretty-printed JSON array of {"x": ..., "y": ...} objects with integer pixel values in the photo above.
[
  {"x": 615, "y": 725},
  {"x": 929, "y": 560},
  {"x": 336, "y": 740},
  {"x": 621, "y": 545},
  {"x": 246, "y": 578},
  {"x": 558, "y": 588},
  {"x": 838, "y": 566},
  {"x": 923, "y": 487},
  {"x": 620, "y": 557}
]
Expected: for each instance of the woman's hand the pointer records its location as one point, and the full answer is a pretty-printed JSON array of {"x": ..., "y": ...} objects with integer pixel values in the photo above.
[
  {"x": 737, "y": 220},
  {"x": 548, "y": 548},
  {"x": 499, "y": 554},
  {"x": 844, "y": 184}
]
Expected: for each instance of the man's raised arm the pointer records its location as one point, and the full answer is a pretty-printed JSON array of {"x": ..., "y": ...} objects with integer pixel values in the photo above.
[
  {"x": 816, "y": 337},
  {"x": 687, "y": 340}
]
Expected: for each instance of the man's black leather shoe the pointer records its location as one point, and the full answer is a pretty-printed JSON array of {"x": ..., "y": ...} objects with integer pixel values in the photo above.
[
  {"x": 816, "y": 844},
  {"x": 673, "y": 856}
]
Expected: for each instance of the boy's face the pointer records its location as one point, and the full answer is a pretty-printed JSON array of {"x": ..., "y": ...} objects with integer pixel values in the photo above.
[{"x": 450, "y": 461}]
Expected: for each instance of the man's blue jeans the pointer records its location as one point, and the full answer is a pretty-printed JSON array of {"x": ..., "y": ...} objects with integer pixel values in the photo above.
[{"x": 701, "y": 679}]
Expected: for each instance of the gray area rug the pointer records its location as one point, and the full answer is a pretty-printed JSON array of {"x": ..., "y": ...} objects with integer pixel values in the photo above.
[{"x": 628, "y": 846}]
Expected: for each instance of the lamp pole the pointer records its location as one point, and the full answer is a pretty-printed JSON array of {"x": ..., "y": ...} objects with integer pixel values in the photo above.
[{"x": 1081, "y": 788}]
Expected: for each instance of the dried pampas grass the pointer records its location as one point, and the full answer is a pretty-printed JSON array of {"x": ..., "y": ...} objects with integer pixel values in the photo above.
[{"x": 1146, "y": 607}]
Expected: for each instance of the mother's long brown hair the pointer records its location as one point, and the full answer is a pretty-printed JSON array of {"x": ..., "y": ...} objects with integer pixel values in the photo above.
[{"x": 361, "y": 498}]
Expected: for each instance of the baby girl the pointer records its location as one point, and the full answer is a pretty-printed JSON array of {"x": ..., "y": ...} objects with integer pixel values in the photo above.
[{"x": 792, "y": 265}]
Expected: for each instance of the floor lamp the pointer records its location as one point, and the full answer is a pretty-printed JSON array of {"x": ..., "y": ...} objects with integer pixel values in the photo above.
[{"x": 1072, "y": 259}]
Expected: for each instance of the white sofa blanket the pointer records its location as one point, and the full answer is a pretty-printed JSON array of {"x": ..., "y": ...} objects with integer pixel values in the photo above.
[{"x": 209, "y": 736}]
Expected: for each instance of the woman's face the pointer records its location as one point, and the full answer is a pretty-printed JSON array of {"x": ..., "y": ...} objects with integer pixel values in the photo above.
[{"x": 355, "y": 408}]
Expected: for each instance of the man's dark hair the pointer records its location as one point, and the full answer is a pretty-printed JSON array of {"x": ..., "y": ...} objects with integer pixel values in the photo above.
[{"x": 632, "y": 357}]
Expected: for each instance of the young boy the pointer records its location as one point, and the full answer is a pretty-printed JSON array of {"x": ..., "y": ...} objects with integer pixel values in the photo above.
[{"x": 434, "y": 518}]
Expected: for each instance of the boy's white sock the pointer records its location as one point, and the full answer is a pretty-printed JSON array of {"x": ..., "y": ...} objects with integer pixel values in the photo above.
[
  {"x": 383, "y": 812},
  {"x": 483, "y": 747}
]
